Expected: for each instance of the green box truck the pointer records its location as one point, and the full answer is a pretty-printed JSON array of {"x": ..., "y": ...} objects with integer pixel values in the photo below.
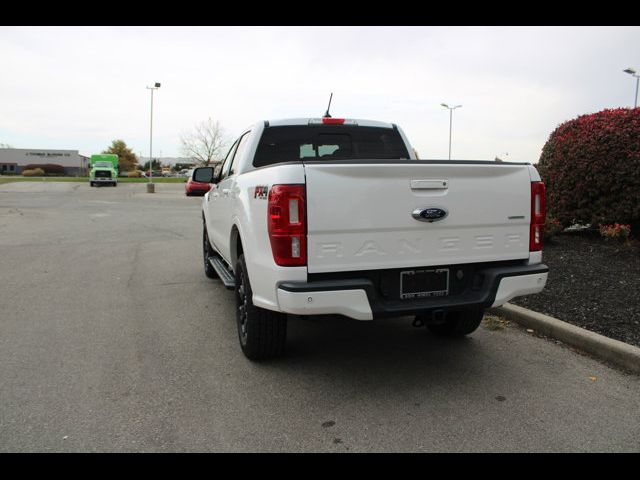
[{"x": 104, "y": 169}]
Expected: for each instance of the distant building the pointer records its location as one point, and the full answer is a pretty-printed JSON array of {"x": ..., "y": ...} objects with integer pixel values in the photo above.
[{"x": 13, "y": 160}]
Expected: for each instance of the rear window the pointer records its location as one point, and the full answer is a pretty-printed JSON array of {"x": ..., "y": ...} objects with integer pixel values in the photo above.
[{"x": 320, "y": 142}]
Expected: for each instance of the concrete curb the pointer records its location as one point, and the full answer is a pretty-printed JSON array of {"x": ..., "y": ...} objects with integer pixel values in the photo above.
[{"x": 618, "y": 353}]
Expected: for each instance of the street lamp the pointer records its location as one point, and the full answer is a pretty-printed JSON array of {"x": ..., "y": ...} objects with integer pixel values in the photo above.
[
  {"x": 451, "y": 109},
  {"x": 150, "y": 187},
  {"x": 632, "y": 71}
]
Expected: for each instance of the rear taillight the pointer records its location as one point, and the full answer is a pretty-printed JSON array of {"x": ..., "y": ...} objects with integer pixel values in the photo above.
[
  {"x": 287, "y": 224},
  {"x": 538, "y": 212}
]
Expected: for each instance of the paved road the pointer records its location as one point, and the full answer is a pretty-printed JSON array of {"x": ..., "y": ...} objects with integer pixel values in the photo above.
[{"x": 112, "y": 339}]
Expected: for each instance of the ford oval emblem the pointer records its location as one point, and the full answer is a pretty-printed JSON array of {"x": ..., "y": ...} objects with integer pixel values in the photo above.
[{"x": 429, "y": 214}]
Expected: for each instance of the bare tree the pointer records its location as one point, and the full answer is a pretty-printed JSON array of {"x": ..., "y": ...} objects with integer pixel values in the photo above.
[
  {"x": 206, "y": 143},
  {"x": 5, "y": 145}
]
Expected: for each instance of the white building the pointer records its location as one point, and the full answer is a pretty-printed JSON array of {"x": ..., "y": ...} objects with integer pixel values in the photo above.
[{"x": 14, "y": 160}]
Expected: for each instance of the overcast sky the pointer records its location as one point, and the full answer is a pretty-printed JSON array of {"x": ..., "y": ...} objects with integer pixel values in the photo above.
[{"x": 81, "y": 87}]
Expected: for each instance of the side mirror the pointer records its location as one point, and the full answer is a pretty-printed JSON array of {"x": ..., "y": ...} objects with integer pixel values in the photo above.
[
  {"x": 203, "y": 174},
  {"x": 217, "y": 173}
]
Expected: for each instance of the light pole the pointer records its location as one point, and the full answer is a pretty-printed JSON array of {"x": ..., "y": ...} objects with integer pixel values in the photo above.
[
  {"x": 632, "y": 71},
  {"x": 150, "y": 187},
  {"x": 451, "y": 109}
]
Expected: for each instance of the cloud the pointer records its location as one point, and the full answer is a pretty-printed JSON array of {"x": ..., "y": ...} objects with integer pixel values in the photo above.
[{"x": 75, "y": 87}]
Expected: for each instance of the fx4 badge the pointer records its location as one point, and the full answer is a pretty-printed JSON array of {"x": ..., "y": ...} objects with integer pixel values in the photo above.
[{"x": 261, "y": 192}]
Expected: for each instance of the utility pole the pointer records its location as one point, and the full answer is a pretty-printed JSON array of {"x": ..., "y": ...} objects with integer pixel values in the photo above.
[{"x": 150, "y": 185}]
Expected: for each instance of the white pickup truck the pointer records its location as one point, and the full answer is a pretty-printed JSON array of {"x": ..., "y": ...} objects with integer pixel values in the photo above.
[{"x": 337, "y": 216}]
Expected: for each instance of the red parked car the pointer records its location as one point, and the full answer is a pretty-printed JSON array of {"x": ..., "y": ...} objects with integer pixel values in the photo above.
[{"x": 196, "y": 188}]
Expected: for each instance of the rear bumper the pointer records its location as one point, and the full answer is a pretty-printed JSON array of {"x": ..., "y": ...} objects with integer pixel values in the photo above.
[
  {"x": 349, "y": 302},
  {"x": 104, "y": 180},
  {"x": 358, "y": 298}
]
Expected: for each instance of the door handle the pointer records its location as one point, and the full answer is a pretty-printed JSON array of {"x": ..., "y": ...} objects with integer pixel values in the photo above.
[{"x": 430, "y": 184}]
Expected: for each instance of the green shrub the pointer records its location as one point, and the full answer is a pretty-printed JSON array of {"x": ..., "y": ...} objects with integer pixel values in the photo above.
[
  {"x": 591, "y": 168},
  {"x": 33, "y": 172}
]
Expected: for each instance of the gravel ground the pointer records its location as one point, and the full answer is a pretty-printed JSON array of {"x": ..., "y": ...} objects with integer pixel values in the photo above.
[{"x": 592, "y": 284}]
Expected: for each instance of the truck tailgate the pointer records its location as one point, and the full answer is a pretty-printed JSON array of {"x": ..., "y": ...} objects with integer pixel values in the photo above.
[{"x": 359, "y": 214}]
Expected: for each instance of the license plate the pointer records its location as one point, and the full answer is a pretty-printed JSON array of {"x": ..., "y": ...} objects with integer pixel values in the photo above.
[{"x": 424, "y": 283}]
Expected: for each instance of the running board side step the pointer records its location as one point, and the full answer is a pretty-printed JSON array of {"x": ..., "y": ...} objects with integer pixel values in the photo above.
[{"x": 223, "y": 272}]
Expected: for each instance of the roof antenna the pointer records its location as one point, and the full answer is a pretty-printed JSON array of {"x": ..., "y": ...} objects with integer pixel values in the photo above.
[{"x": 326, "y": 115}]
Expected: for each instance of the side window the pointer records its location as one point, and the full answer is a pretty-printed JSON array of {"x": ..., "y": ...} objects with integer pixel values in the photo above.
[
  {"x": 242, "y": 146},
  {"x": 226, "y": 165}
]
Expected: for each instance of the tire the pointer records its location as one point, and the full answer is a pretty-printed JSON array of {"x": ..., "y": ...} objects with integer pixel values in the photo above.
[
  {"x": 207, "y": 253},
  {"x": 91, "y": 184},
  {"x": 262, "y": 333},
  {"x": 458, "y": 323}
]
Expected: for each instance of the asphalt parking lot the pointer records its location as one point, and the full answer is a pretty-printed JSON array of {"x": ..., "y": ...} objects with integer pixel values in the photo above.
[{"x": 112, "y": 339}]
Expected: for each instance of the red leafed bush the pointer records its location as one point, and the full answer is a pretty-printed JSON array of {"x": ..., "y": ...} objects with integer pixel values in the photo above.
[
  {"x": 591, "y": 168},
  {"x": 48, "y": 168}
]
